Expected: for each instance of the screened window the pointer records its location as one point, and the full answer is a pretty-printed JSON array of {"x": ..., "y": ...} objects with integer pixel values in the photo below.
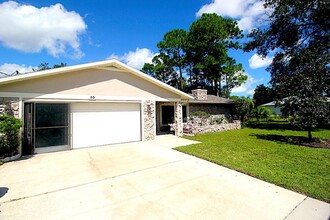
[{"x": 51, "y": 124}]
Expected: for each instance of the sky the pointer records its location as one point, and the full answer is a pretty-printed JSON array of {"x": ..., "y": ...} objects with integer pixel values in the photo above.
[{"x": 75, "y": 32}]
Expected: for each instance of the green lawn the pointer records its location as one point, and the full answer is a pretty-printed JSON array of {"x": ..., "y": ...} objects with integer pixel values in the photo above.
[{"x": 302, "y": 169}]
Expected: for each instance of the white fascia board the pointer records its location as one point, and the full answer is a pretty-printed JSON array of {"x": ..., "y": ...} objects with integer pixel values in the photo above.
[
  {"x": 66, "y": 97},
  {"x": 43, "y": 73}
]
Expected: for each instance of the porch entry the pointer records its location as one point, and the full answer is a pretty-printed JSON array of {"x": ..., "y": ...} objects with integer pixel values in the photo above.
[
  {"x": 46, "y": 127},
  {"x": 165, "y": 116}
]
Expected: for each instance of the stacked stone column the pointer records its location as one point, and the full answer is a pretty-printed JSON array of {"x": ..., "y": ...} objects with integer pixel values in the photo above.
[
  {"x": 178, "y": 128},
  {"x": 148, "y": 120}
]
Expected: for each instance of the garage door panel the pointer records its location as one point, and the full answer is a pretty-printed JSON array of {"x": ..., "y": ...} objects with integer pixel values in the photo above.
[{"x": 105, "y": 123}]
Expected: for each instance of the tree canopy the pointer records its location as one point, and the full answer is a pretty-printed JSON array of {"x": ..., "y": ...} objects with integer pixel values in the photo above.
[
  {"x": 45, "y": 66},
  {"x": 299, "y": 36},
  {"x": 199, "y": 57},
  {"x": 263, "y": 94}
]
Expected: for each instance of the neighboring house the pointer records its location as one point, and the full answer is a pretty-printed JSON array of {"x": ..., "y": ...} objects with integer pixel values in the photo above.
[
  {"x": 202, "y": 102},
  {"x": 87, "y": 105},
  {"x": 272, "y": 106}
]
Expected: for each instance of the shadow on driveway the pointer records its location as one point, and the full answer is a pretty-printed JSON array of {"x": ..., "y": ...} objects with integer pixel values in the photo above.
[{"x": 3, "y": 191}]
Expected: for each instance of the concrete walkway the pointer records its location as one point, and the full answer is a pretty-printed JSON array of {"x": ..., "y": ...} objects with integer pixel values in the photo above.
[{"x": 145, "y": 180}]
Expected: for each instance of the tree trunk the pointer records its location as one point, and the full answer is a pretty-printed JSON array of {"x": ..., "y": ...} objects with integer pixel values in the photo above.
[
  {"x": 219, "y": 88},
  {"x": 190, "y": 78},
  {"x": 216, "y": 87},
  {"x": 310, "y": 134},
  {"x": 180, "y": 79}
]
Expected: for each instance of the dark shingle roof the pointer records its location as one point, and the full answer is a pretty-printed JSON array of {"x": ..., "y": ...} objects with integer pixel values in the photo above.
[{"x": 212, "y": 99}]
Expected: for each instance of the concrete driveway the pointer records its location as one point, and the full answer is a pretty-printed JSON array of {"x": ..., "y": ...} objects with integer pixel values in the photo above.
[{"x": 146, "y": 180}]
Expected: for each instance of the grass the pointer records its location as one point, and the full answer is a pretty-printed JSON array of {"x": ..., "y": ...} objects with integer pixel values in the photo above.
[{"x": 302, "y": 169}]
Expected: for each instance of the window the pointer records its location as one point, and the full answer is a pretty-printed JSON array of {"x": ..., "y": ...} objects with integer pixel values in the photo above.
[{"x": 51, "y": 124}]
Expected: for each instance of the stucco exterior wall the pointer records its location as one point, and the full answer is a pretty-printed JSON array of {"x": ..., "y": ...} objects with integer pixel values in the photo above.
[
  {"x": 276, "y": 110},
  {"x": 93, "y": 82}
]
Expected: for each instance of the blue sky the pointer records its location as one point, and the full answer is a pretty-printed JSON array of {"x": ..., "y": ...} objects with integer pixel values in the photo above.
[{"x": 75, "y": 32}]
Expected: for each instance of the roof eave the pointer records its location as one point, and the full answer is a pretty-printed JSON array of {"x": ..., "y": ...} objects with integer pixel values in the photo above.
[{"x": 104, "y": 63}]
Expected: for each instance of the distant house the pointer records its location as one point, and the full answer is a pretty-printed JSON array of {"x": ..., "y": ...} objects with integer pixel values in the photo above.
[{"x": 272, "y": 106}]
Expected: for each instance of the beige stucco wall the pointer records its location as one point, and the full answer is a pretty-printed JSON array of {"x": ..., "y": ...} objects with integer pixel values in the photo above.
[{"x": 95, "y": 82}]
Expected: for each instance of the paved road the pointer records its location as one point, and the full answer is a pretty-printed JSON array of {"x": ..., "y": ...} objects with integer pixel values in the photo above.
[{"x": 146, "y": 180}]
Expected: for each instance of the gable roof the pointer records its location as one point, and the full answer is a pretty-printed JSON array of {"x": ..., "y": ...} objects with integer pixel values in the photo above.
[
  {"x": 213, "y": 99},
  {"x": 106, "y": 64}
]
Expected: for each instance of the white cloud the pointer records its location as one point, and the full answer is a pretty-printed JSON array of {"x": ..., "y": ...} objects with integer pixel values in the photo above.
[
  {"x": 257, "y": 61},
  {"x": 248, "y": 86},
  {"x": 10, "y": 68},
  {"x": 247, "y": 12},
  {"x": 30, "y": 29},
  {"x": 250, "y": 92},
  {"x": 137, "y": 58}
]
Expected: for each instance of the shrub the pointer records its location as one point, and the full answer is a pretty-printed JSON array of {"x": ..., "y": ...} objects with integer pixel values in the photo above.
[
  {"x": 200, "y": 114},
  {"x": 262, "y": 113},
  {"x": 218, "y": 120},
  {"x": 9, "y": 135}
]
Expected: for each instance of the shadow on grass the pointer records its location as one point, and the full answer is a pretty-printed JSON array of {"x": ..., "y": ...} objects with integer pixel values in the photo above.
[
  {"x": 295, "y": 140},
  {"x": 271, "y": 125}
]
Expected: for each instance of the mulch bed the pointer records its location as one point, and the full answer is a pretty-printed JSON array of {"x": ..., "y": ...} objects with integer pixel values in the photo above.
[{"x": 316, "y": 143}]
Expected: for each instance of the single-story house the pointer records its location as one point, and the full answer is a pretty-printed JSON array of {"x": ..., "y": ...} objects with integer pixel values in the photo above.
[
  {"x": 95, "y": 104},
  {"x": 272, "y": 106},
  {"x": 87, "y": 105}
]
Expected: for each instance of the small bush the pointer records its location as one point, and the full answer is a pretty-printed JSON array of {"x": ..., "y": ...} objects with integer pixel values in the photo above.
[
  {"x": 200, "y": 114},
  {"x": 9, "y": 135},
  {"x": 218, "y": 120},
  {"x": 262, "y": 113}
]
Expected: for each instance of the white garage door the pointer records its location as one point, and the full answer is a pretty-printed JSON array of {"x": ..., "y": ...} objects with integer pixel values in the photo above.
[{"x": 96, "y": 124}]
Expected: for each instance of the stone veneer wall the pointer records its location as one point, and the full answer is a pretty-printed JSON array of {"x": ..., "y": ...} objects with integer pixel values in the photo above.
[
  {"x": 199, "y": 94},
  {"x": 212, "y": 109},
  {"x": 149, "y": 120},
  {"x": 196, "y": 129},
  {"x": 178, "y": 121},
  {"x": 9, "y": 105}
]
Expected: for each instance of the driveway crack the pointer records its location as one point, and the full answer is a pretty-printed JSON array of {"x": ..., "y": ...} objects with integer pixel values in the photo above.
[{"x": 93, "y": 165}]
